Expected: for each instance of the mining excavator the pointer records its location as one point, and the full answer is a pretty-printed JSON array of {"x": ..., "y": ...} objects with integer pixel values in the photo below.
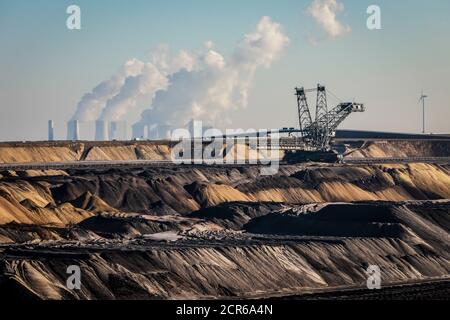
[{"x": 317, "y": 135}]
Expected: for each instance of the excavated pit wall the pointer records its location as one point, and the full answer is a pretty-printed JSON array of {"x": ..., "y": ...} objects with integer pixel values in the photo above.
[
  {"x": 162, "y": 150},
  {"x": 57, "y": 215},
  {"x": 219, "y": 271},
  {"x": 397, "y": 148},
  {"x": 65, "y": 197}
]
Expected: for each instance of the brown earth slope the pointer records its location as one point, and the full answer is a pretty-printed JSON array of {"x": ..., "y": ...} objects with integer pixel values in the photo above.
[
  {"x": 406, "y": 244},
  {"x": 75, "y": 151},
  {"x": 67, "y": 199},
  {"x": 206, "y": 232},
  {"x": 398, "y": 149},
  {"x": 162, "y": 150}
]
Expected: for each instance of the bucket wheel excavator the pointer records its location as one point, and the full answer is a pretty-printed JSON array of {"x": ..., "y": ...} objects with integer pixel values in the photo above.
[{"x": 317, "y": 134}]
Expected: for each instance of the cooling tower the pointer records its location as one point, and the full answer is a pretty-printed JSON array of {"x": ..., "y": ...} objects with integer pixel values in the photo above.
[
  {"x": 160, "y": 132},
  {"x": 139, "y": 131},
  {"x": 101, "y": 130},
  {"x": 163, "y": 132},
  {"x": 73, "y": 130},
  {"x": 117, "y": 130}
]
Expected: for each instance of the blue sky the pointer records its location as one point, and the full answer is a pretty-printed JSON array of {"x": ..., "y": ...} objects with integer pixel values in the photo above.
[{"x": 45, "y": 69}]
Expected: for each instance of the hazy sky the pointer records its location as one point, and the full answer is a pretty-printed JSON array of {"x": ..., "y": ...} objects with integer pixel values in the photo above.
[{"x": 45, "y": 69}]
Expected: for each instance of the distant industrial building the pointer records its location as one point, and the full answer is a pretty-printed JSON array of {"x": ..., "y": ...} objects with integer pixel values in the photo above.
[
  {"x": 196, "y": 129},
  {"x": 101, "y": 130},
  {"x": 139, "y": 131},
  {"x": 51, "y": 130},
  {"x": 160, "y": 132},
  {"x": 118, "y": 130},
  {"x": 73, "y": 130},
  {"x": 151, "y": 132}
]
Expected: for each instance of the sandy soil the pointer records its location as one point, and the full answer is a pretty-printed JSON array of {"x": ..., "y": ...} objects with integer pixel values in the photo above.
[
  {"x": 184, "y": 232},
  {"x": 179, "y": 232},
  {"x": 162, "y": 150}
]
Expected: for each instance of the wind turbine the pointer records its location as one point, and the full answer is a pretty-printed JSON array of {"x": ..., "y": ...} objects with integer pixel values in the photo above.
[{"x": 422, "y": 99}]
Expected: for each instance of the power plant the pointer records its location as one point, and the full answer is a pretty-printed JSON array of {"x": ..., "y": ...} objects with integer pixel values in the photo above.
[
  {"x": 311, "y": 136},
  {"x": 104, "y": 130}
]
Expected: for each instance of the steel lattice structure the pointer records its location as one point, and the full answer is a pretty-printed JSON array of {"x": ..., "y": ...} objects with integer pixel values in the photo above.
[{"x": 318, "y": 134}]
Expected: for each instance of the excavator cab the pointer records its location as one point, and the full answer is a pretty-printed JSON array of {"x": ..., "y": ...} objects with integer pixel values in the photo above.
[{"x": 358, "y": 107}]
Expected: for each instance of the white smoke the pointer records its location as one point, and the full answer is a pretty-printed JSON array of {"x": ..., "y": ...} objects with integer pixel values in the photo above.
[
  {"x": 92, "y": 103},
  {"x": 137, "y": 81},
  {"x": 325, "y": 13},
  {"x": 136, "y": 87},
  {"x": 161, "y": 58},
  {"x": 212, "y": 86},
  {"x": 202, "y": 86},
  {"x": 143, "y": 86}
]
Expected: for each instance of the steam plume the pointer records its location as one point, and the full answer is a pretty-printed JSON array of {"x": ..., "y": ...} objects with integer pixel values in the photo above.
[{"x": 213, "y": 86}]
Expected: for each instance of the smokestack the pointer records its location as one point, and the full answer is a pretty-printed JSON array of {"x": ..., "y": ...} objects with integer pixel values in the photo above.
[
  {"x": 101, "y": 130},
  {"x": 51, "y": 130},
  {"x": 73, "y": 130}
]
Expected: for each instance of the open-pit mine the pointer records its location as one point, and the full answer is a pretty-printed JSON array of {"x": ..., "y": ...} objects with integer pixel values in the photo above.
[{"x": 193, "y": 231}]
